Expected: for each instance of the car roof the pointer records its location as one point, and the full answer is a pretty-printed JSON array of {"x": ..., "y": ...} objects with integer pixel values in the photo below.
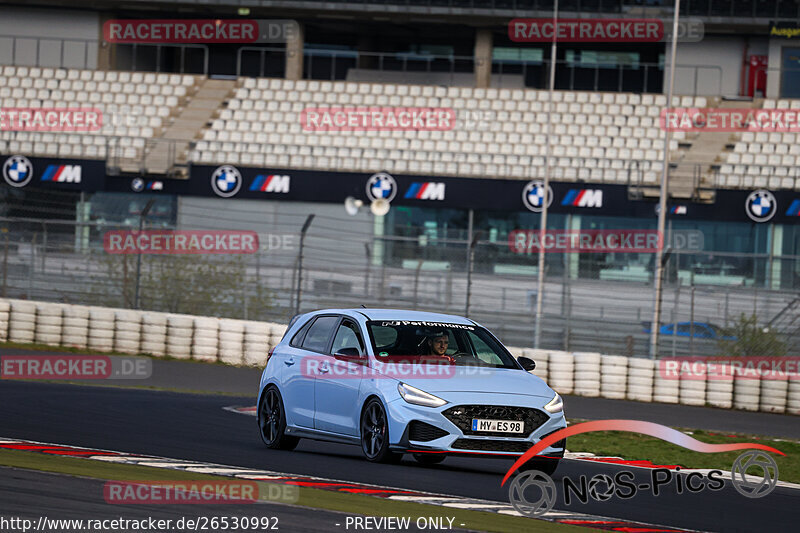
[{"x": 400, "y": 314}]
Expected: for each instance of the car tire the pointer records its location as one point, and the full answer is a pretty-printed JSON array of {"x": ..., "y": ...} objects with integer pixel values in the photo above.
[
  {"x": 374, "y": 431},
  {"x": 546, "y": 465},
  {"x": 429, "y": 458},
  {"x": 272, "y": 421}
]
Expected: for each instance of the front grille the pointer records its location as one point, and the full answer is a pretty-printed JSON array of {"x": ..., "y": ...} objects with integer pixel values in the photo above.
[
  {"x": 484, "y": 445},
  {"x": 420, "y": 431},
  {"x": 462, "y": 415}
]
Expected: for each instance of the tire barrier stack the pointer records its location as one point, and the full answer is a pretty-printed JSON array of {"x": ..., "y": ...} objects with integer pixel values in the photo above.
[
  {"x": 587, "y": 374},
  {"x": 719, "y": 392},
  {"x": 102, "y": 324},
  {"x": 128, "y": 331},
  {"x": 665, "y": 389},
  {"x": 746, "y": 391},
  {"x": 179, "y": 336},
  {"x": 774, "y": 395},
  {"x": 49, "y": 322},
  {"x": 231, "y": 341},
  {"x": 641, "y": 376},
  {"x": 5, "y": 313},
  {"x": 205, "y": 342},
  {"x": 22, "y": 321},
  {"x": 243, "y": 342},
  {"x": 613, "y": 376},
  {"x": 154, "y": 334},
  {"x": 561, "y": 371},
  {"x": 75, "y": 332},
  {"x": 693, "y": 391},
  {"x": 256, "y": 343},
  {"x": 793, "y": 397}
]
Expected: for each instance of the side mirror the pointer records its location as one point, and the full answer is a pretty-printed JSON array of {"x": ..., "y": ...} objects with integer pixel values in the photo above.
[
  {"x": 526, "y": 364},
  {"x": 350, "y": 355}
]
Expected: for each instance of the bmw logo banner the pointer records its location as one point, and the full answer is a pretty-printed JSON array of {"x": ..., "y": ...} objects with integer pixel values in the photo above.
[
  {"x": 233, "y": 182},
  {"x": 21, "y": 171},
  {"x": 17, "y": 171}
]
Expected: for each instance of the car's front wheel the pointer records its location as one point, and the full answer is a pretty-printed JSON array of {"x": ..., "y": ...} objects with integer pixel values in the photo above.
[
  {"x": 375, "y": 434},
  {"x": 544, "y": 464},
  {"x": 272, "y": 421}
]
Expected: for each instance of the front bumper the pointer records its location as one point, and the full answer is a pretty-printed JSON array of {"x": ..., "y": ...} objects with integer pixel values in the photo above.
[{"x": 455, "y": 438}]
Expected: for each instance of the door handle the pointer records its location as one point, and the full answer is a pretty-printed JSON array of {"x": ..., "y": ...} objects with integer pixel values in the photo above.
[
  {"x": 290, "y": 361},
  {"x": 325, "y": 368}
]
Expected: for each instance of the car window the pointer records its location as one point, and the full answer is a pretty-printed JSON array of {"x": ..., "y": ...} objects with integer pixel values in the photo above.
[
  {"x": 347, "y": 336},
  {"x": 384, "y": 336},
  {"x": 319, "y": 333},
  {"x": 483, "y": 351},
  {"x": 416, "y": 341},
  {"x": 297, "y": 340}
]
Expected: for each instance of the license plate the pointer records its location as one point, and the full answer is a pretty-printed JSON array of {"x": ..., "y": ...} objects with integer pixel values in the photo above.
[{"x": 500, "y": 426}]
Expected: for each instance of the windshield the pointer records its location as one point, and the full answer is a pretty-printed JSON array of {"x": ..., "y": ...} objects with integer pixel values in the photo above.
[{"x": 437, "y": 342}]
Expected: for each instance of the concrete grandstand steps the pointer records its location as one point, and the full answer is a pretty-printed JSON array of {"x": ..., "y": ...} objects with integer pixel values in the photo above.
[{"x": 169, "y": 154}]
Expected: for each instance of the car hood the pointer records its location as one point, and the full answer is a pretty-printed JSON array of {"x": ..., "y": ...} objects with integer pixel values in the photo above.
[{"x": 481, "y": 380}]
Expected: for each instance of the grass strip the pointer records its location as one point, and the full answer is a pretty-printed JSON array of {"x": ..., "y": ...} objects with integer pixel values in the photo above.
[
  {"x": 642, "y": 447},
  {"x": 308, "y": 497}
]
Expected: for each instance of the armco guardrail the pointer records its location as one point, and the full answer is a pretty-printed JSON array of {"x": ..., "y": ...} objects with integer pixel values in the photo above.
[{"x": 243, "y": 342}]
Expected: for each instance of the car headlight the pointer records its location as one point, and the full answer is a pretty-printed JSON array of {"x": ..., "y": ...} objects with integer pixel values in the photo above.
[
  {"x": 419, "y": 397},
  {"x": 556, "y": 405}
]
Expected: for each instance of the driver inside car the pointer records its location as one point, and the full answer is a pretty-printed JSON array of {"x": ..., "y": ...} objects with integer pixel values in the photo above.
[{"x": 436, "y": 343}]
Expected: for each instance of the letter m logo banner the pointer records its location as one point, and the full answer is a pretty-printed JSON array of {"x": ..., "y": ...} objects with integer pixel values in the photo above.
[
  {"x": 271, "y": 183},
  {"x": 584, "y": 198},
  {"x": 428, "y": 190},
  {"x": 62, "y": 173}
]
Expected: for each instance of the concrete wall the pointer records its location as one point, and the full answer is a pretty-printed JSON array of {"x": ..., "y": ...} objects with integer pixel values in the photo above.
[
  {"x": 43, "y": 37},
  {"x": 724, "y": 52}
]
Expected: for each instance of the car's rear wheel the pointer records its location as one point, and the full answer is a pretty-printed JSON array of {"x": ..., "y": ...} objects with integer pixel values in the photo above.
[
  {"x": 272, "y": 421},
  {"x": 429, "y": 458},
  {"x": 375, "y": 434}
]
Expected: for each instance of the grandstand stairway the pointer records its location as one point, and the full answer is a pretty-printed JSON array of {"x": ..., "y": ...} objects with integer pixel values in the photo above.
[
  {"x": 693, "y": 168},
  {"x": 168, "y": 154}
]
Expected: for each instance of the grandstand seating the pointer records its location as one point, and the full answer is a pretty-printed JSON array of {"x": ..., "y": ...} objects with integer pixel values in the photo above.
[
  {"x": 136, "y": 106},
  {"x": 764, "y": 159},
  {"x": 499, "y": 132}
]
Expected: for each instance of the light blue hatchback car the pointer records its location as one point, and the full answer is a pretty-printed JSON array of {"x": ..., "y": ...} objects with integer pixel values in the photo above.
[{"x": 397, "y": 382}]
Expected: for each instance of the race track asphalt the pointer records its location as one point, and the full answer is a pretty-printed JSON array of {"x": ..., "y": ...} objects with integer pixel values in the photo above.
[
  {"x": 31, "y": 495},
  {"x": 195, "y": 427}
]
